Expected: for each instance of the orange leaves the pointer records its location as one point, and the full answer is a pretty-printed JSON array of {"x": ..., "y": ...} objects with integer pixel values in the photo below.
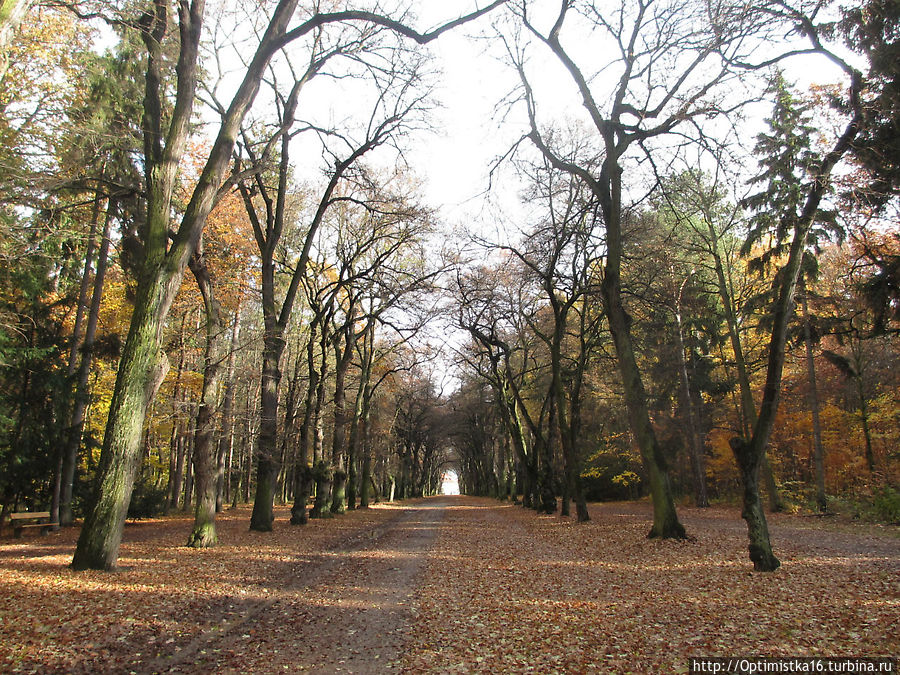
[
  {"x": 503, "y": 590},
  {"x": 542, "y": 594}
]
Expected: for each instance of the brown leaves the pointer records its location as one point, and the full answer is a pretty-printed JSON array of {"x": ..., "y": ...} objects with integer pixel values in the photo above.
[
  {"x": 508, "y": 591},
  {"x": 504, "y": 590},
  {"x": 166, "y": 595}
]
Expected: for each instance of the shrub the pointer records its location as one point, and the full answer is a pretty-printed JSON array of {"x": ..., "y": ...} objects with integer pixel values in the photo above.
[
  {"x": 887, "y": 505},
  {"x": 147, "y": 500}
]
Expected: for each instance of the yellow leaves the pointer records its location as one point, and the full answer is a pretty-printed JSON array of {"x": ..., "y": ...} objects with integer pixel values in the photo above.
[{"x": 45, "y": 70}]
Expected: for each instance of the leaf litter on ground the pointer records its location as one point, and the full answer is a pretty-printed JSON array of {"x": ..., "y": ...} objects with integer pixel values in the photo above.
[{"x": 502, "y": 590}]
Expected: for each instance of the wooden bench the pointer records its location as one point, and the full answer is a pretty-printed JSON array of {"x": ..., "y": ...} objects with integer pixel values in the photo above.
[{"x": 22, "y": 520}]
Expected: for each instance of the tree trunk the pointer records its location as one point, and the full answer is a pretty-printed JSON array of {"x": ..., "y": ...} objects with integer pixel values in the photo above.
[
  {"x": 303, "y": 477},
  {"x": 67, "y": 413},
  {"x": 82, "y": 393},
  {"x": 187, "y": 497},
  {"x": 226, "y": 440},
  {"x": 322, "y": 473},
  {"x": 355, "y": 446},
  {"x": 609, "y": 190},
  {"x": 338, "y": 491},
  {"x": 694, "y": 443},
  {"x": 268, "y": 467},
  {"x": 343, "y": 358},
  {"x": 818, "y": 448},
  {"x": 141, "y": 370},
  {"x": 758, "y": 530},
  {"x": 864, "y": 420},
  {"x": 205, "y": 455},
  {"x": 366, "y": 447},
  {"x": 303, "y": 483},
  {"x": 665, "y": 519},
  {"x": 748, "y": 407}
]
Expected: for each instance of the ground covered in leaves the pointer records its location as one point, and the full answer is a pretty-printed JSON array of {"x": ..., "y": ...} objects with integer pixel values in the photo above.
[{"x": 449, "y": 585}]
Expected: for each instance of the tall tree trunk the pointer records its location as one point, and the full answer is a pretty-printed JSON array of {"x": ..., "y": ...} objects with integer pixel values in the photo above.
[
  {"x": 141, "y": 370},
  {"x": 356, "y": 425},
  {"x": 226, "y": 440},
  {"x": 749, "y": 453},
  {"x": 864, "y": 420},
  {"x": 694, "y": 442},
  {"x": 609, "y": 191},
  {"x": 355, "y": 446},
  {"x": 748, "y": 407},
  {"x": 82, "y": 393},
  {"x": 818, "y": 448},
  {"x": 176, "y": 440},
  {"x": 665, "y": 518},
  {"x": 263, "y": 515},
  {"x": 303, "y": 477},
  {"x": 74, "y": 348},
  {"x": 322, "y": 474},
  {"x": 205, "y": 452},
  {"x": 363, "y": 438},
  {"x": 187, "y": 496},
  {"x": 343, "y": 357}
]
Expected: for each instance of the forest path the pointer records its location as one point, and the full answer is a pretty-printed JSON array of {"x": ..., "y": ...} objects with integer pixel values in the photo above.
[
  {"x": 349, "y": 613},
  {"x": 448, "y": 585}
]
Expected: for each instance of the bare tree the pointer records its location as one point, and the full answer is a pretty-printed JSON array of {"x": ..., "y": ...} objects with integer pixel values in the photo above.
[{"x": 668, "y": 73}]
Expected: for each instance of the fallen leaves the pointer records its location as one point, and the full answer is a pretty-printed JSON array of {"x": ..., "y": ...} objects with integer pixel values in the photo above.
[
  {"x": 55, "y": 620},
  {"x": 509, "y": 591},
  {"x": 503, "y": 590}
]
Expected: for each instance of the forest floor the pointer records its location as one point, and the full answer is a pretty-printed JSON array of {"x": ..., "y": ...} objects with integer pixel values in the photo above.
[{"x": 450, "y": 585}]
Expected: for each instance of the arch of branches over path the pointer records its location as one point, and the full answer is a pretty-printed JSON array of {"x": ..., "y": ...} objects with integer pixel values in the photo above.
[
  {"x": 168, "y": 251},
  {"x": 165, "y": 256}
]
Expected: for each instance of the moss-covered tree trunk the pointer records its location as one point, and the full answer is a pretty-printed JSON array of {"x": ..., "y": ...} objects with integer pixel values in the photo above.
[
  {"x": 205, "y": 455},
  {"x": 322, "y": 474},
  {"x": 267, "y": 468},
  {"x": 165, "y": 255},
  {"x": 608, "y": 188},
  {"x": 343, "y": 358},
  {"x": 141, "y": 370},
  {"x": 760, "y": 547},
  {"x": 665, "y": 518},
  {"x": 338, "y": 491},
  {"x": 303, "y": 484},
  {"x": 357, "y": 428}
]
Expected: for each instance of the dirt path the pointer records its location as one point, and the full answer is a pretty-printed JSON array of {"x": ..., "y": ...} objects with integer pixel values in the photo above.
[
  {"x": 349, "y": 613},
  {"x": 334, "y": 596}
]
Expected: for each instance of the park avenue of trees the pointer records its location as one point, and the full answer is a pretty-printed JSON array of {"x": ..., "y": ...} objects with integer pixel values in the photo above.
[{"x": 222, "y": 283}]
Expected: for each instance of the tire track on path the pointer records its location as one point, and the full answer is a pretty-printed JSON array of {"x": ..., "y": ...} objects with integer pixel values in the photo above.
[{"x": 348, "y": 613}]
